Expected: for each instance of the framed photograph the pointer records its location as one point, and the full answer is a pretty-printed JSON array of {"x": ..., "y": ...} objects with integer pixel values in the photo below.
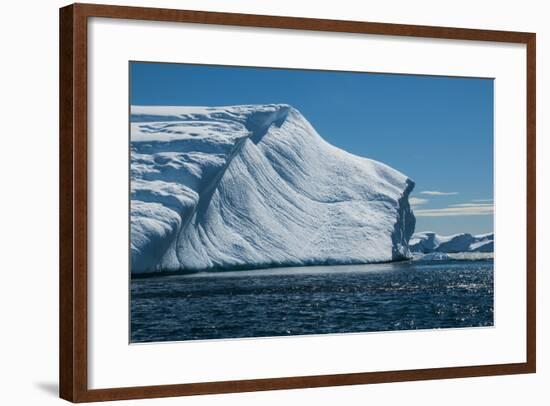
[{"x": 255, "y": 202}]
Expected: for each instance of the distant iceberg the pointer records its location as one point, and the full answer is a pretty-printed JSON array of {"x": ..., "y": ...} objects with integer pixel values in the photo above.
[
  {"x": 433, "y": 256},
  {"x": 428, "y": 242},
  {"x": 256, "y": 186}
]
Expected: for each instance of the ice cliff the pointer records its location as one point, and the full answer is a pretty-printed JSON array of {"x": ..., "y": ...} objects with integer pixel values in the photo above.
[
  {"x": 428, "y": 242},
  {"x": 256, "y": 186}
]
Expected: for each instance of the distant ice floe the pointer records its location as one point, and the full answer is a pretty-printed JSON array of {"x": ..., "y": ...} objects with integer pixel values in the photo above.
[
  {"x": 445, "y": 257},
  {"x": 429, "y": 242},
  {"x": 435, "y": 256},
  {"x": 256, "y": 186}
]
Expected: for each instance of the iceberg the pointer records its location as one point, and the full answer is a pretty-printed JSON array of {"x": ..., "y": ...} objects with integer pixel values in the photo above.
[
  {"x": 255, "y": 186},
  {"x": 433, "y": 256},
  {"x": 428, "y": 242}
]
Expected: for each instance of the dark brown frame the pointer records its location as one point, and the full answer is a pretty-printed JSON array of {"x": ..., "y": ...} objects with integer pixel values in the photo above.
[{"x": 73, "y": 333}]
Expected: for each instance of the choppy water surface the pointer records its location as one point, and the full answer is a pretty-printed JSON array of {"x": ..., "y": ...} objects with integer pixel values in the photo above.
[{"x": 312, "y": 300}]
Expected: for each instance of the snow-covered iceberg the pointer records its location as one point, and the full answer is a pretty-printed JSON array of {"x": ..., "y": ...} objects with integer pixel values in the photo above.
[
  {"x": 256, "y": 186},
  {"x": 428, "y": 242}
]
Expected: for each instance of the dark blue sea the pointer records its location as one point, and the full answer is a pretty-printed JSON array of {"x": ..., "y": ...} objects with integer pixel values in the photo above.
[{"x": 312, "y": 300}]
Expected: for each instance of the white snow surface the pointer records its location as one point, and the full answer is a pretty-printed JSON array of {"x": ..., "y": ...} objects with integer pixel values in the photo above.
[
  {"x": 428, "y": 242},
  {"x": 256, "y": 186}
]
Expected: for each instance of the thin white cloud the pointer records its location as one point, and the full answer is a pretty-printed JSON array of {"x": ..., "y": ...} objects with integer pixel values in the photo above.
[
  {"x": 437, "y": 193},
  {"x": 482, "y": 200},
  {"x": 465, "y": 209},
  {"x": 416, "y": 201},
  {"x": 472, "y": 205}
]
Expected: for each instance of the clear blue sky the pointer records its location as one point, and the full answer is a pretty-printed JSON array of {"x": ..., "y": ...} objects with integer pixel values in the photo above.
[{"x": 436, "y": 130}]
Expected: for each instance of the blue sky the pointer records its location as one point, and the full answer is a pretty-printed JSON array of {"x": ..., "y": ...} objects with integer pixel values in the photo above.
[{"x": 436, "y": 130}]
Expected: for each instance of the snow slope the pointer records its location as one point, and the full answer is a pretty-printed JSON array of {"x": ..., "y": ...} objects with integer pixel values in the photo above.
[
  {"x": 256, "y": 186},
  {"x": 427, "y": 242}
]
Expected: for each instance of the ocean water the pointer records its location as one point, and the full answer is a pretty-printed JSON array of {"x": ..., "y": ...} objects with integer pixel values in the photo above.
[{"x": 312, "y": 300}]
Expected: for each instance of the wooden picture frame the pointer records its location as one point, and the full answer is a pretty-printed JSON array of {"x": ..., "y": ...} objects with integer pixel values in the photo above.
[{"x": 73, "y": 198}]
